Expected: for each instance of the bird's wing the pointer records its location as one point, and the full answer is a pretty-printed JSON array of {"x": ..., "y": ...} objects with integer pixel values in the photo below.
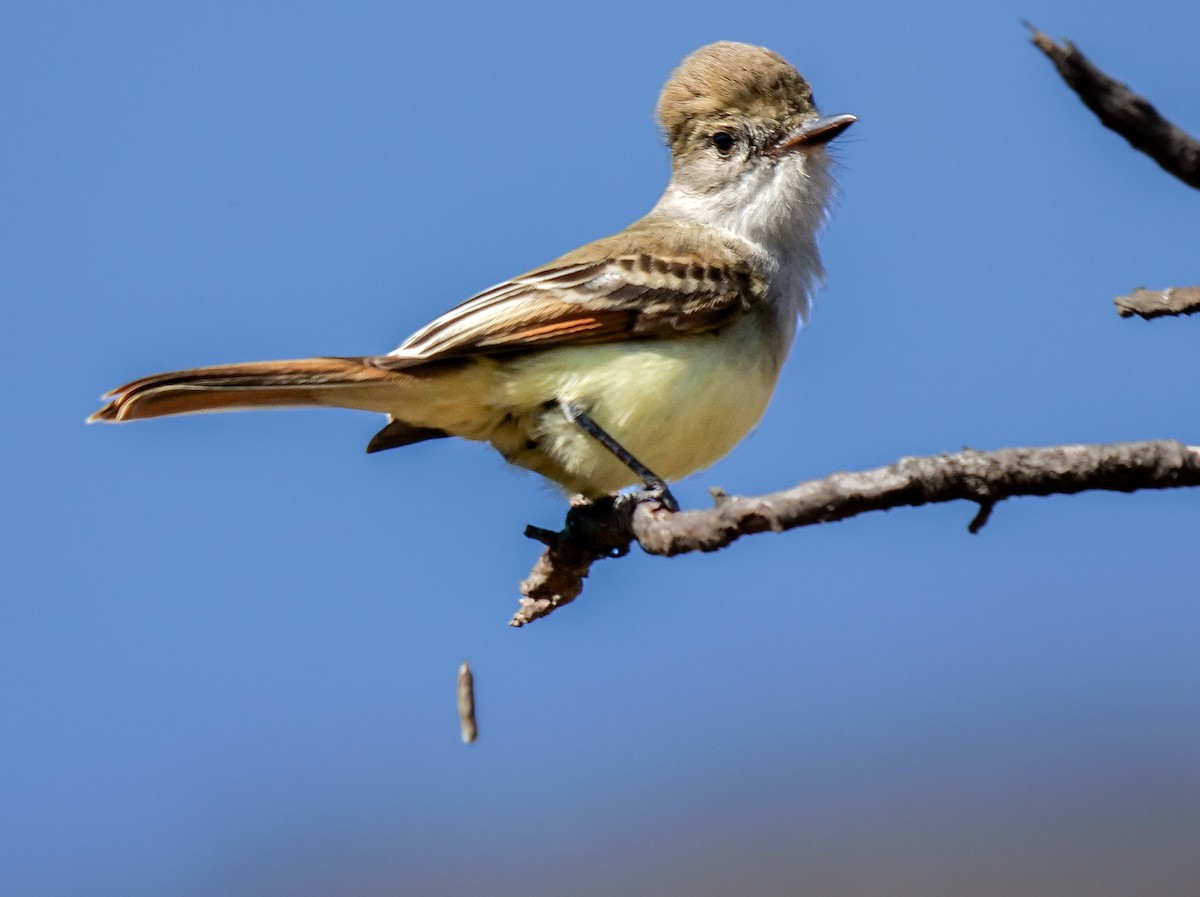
[{"x": 648, "y": 281}]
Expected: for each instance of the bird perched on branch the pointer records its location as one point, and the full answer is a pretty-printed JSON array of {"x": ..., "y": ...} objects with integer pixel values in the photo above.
[{"x": 638, "y": 358}]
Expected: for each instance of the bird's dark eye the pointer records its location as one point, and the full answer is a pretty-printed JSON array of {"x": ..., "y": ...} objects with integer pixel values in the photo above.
[{"x": 724, "y": 142}]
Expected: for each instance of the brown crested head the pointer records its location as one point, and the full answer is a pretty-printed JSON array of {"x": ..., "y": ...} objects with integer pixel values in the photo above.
[{"x": 731, "y": 82}]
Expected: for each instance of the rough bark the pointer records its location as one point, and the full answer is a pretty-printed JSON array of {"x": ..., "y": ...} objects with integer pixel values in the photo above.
[
  {"x": 1159, "y": 303},
  {"x": 609, "y": 527},
  {"x": 1121, "y": 110}
]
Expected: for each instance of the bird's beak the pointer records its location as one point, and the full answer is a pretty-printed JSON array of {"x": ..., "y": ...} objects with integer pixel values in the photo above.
[{"x": 814, "y": 132}]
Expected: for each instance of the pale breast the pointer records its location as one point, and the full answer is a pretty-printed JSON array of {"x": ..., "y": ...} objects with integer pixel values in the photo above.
[{"x": 678, "y": 405}]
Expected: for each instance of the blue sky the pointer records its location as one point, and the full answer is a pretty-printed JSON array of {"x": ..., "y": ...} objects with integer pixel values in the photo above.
[{"x": 228, "y": 644}]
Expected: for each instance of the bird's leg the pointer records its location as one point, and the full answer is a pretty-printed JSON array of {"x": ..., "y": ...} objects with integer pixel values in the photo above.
[{"x": 655, "y": 486}]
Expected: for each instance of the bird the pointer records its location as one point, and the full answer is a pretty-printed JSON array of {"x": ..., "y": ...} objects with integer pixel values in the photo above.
[{"x": 634, "y": 360}]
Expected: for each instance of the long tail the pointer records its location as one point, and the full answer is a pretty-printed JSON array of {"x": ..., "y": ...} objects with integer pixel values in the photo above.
[{"x": 339, "y": 382}]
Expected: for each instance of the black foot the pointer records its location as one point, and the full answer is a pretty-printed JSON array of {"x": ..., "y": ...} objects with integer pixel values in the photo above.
[{"x": 654, "y": 492}]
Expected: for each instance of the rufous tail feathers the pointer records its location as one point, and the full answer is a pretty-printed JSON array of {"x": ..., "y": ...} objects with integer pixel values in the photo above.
[{"x": 338, "y": 382}]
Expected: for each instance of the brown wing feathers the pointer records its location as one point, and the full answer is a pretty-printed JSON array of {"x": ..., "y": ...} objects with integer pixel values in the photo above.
[{"x": 627, "y": 296}]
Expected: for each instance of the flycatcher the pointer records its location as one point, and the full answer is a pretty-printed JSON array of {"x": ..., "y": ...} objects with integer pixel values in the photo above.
[{"x": 642, "y": 357}]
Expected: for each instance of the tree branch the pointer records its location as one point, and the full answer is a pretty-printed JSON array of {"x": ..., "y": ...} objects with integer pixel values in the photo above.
[
  {"x": 607, "y": 528},
  {"x": 1121, "y": 110},
  {"x": 1158, "y": 303}
]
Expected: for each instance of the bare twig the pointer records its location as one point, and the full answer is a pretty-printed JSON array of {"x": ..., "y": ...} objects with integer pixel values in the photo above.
[
  {"x": 1121, "y": 110},
  {"x": 466, "y": 704},
  {"x": 1158, "y": 303},
  {"x": 608, "y": 528}
]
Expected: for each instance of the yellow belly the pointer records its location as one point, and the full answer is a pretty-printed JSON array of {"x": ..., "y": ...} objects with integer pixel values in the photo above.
[{"x": 677, "y": 405}]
